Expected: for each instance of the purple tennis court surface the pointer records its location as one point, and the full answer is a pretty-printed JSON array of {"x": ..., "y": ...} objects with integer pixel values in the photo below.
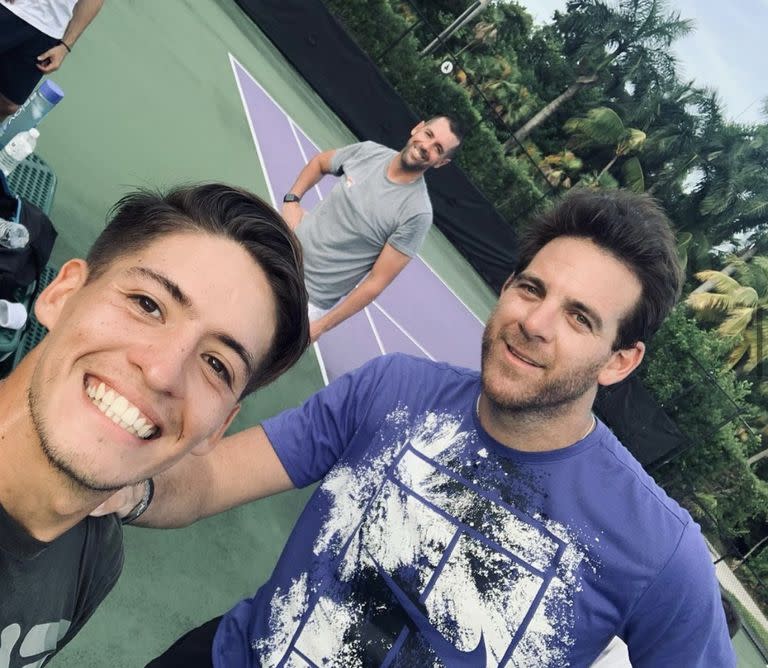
[{"x": 417, "y": 314}]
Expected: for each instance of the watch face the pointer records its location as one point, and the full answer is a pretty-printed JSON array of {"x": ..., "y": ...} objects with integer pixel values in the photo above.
[{"x": 290, "y": 197}]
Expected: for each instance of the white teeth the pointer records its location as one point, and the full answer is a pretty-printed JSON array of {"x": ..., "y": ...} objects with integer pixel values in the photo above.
[
  {"x": 121, "y": 411},
  {"x": 129, "y": 417},
  {"x": 119, "y": 406}
]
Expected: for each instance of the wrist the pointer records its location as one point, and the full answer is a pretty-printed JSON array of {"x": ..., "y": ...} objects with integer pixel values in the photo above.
[
  {"x": 68, "y": 47},
  {"x": 291, "y": 198}
]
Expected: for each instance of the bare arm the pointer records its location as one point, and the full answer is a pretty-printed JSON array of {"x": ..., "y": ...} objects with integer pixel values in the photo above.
[
  {"x": 313, "y": 171},
  {"x": 83, "y": 13},
  {"x": 242, "y": 468},
  {"x": 387, "y": 266}
]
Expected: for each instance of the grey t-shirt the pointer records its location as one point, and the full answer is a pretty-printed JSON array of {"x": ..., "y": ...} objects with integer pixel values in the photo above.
[{"x": 344, "y": 234}]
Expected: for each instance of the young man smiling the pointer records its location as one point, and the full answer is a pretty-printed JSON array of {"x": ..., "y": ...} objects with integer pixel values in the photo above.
[
  {"x": 360, "y": 237},
  {"x": 187, "y": 302},
  {"x": 468, "y": 519}
]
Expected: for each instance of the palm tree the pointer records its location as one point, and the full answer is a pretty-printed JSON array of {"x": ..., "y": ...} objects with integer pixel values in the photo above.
[
  {"x": 739, "y": 305},
  {"x": 603, "y": 127},
  {"x": 603, "y": 40}
]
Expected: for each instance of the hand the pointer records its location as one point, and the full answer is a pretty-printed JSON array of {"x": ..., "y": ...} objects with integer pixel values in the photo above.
[
  {"x": 292, "y": 213},
  {"x": 121, "y": 502},
  {"x": 315, "y": 331},
  {"x": 51, "y": 60}
]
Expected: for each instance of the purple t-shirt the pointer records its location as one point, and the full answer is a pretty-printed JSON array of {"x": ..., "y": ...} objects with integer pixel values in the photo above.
[{"x": 429, "y": 543}]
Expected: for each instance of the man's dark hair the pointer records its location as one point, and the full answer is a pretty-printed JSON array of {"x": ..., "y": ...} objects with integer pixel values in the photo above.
[
  {"x": 454, "y": 125},
  {"x": 143, "y": 217},
  {"x": 635, "y": 230}
]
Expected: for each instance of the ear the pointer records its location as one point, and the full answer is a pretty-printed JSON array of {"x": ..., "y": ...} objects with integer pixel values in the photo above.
[
  {"x": 621, "y": 363},
  {"x": 418, "y": 127},
  {"x": 441, "y": 163},
  {"x": 205, "y": 446},
  {"x": 50, "y": 302}
]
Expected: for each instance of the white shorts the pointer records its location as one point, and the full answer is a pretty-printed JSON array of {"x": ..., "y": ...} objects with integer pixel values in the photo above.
[{"x": 315, "y": 312}]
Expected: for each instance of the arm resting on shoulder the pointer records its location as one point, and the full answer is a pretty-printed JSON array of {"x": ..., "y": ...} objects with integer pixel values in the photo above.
[
  {"x": 387, "y": 266},
  {"x": 242, "y": 468}
]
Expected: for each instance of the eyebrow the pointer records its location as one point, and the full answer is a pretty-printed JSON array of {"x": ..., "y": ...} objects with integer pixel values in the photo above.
[
  {"x": 170, "y": 286},
  {"x": 183, "y": 300},
  {"x": 574, "y": 304}
]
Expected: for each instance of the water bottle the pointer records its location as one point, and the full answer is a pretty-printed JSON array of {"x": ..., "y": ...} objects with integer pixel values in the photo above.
[
  {"x": 22, "y": 145},
  {"x": 31, "y": 112},
  {"x": 13, "y": 235}
]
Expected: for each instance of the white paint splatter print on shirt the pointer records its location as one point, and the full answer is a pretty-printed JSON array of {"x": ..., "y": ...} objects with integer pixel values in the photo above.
[{"x": 420, "y": 564}]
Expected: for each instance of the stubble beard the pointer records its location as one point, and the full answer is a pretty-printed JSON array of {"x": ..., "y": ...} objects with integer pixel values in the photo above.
[
  {"x": 409, "y": 166},
  {"x": 548, "y": 400},
  {"x": 78, "y": 481}
]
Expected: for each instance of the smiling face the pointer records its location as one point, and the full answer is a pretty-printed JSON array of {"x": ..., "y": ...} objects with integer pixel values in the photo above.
[
  {"x": 430, "y": 145},
  {"x": 549, "y": 342},
  {"x": 147, "y": 361}
]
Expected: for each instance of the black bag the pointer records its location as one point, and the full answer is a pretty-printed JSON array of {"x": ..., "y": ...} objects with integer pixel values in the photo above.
[{"x": 20, "y": 267}]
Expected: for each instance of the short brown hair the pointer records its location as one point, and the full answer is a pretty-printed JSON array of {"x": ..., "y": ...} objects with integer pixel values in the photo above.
[
  {"x": 143, "y": 217},
  {"x": 634, "y": 229}
]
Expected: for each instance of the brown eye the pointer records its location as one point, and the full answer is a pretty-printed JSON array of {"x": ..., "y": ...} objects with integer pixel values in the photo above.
[
  {"x": 219, "y": 368},
  {"x": 149, "y": 306}
]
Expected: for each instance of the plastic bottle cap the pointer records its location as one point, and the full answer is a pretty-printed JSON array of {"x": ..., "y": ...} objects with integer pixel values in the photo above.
[
  {"x": 51, "y": 91},
  {"x": 34, "y": 133}
]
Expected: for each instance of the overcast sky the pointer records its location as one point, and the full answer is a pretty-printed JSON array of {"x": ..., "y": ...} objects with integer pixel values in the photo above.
[{"x": 726, "y": 51}]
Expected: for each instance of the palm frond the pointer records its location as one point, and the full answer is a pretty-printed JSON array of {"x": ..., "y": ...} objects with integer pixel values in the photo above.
[{"x": 722, "y": 282}]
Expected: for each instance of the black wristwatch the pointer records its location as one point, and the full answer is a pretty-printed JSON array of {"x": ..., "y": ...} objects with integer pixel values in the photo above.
[{"x": 291, "y": 197}]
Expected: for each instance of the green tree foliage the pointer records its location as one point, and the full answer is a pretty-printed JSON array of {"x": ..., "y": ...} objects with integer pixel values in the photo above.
[
  {"x": 738, "y": 305},
  {"x": 686, "y": 373}
]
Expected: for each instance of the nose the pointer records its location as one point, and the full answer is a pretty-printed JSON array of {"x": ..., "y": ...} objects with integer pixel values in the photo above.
[
  {"x": 538, "y": 322},
  {"x": 164, "y": 363}
]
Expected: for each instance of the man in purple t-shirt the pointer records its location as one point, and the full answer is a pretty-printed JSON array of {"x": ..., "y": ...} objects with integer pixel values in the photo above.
[{"x": 468, "y": 519}]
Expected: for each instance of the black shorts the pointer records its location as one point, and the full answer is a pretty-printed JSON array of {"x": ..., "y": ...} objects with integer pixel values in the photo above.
[{"x": 20, "y": 45}]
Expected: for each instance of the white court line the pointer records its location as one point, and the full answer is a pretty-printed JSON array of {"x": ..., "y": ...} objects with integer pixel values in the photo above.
[
  {"x": 234, "y": 62},
  {"x": 402, "y": 330},
  {"x": 375, "y": 331},
  {"x": 321, "y": 362},
  {"x": 272, "y": 100}
]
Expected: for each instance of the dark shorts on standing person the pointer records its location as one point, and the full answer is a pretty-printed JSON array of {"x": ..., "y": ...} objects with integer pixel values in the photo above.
[{"x": 20, "y": 45}]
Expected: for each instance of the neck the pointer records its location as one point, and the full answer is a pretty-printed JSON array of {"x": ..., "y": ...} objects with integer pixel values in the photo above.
[
  {"x": 539, "y": 430},
  {"x": 38, "y": 496},
  {"x": 397, "y": 172}
]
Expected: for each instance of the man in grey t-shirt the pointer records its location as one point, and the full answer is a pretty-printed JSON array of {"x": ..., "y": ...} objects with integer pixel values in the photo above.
[{"x": 358, "y": 239}]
